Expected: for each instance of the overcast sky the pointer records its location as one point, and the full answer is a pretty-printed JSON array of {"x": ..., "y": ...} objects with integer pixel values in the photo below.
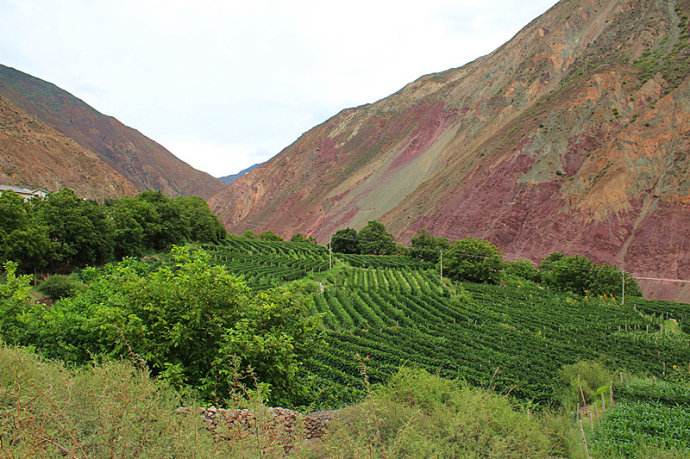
[{"x": 226, "y": 84}]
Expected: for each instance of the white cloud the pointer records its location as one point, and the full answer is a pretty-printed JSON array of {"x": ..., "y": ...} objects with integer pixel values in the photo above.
[{"x": 223, "y": 84}]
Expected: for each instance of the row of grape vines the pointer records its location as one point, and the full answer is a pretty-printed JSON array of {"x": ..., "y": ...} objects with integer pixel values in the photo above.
[{"x": 512, "y": 339}]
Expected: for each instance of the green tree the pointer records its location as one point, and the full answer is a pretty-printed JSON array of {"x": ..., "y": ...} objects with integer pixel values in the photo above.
[
  {"x": 193, "y": 323},
  {"x": 473, "y": 260},
  {"x": 170, "y": 229},
  {"x": 30, "y": 247},
  {"x": 14, "y": 212},
  {"x": 424, "y": 246},
  {"x": 15, "y": 295},
  {"x": 373, "y": 239},
  {"x": 202, "y": 224},
  {"x": 345, "y": 241},
  {"x": 80, "y": 230},
  {"x": 522, "y": 268},
  {"x": 608, "y": 280},
  {"x": 571, "y": 274}
]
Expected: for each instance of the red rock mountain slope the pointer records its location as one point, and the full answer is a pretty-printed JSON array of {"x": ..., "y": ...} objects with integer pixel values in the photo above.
[
  {"x": 32, "y": 153},
  {"x": 143, "y": 162},
  {"x": 573, "y": 136}
]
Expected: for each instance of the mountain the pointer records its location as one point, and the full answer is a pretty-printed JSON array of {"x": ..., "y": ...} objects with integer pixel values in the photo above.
[
  {"x": 228, "y": 179},
  {"x": 573, "y": 136},
  {"x": 37, "y": 155},
  {"x": 143, "y": 162}
]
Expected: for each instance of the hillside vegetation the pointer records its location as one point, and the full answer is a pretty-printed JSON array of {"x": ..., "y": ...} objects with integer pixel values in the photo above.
[{"x": 549, "y": 361}]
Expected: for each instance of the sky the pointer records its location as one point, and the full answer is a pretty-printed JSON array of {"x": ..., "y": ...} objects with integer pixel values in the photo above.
[{"x": 226, "y": 84}]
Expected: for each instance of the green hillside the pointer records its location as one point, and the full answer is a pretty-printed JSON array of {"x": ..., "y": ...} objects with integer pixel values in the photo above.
[{"x": 383, "y": 312}]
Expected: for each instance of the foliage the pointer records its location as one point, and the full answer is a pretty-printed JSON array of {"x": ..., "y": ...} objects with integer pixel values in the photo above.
[
  {"x": 426, "y": 247},
  {"x": 299, "y": 237},
  {"x": 193, "y": 323},
  {"x": 373, "y": 239},
  {"x": 420, "y": 415},
  {"x": 473, "y": 260},
  {"x": 63, "y": 232},
  {"x": 607, "y": 280},
  {"x": 643, "y": 430},
  {"x": 269, "y": 236},
  {"x": 524, "y": 269},
  {"x": 111, "y": 410},
  {"x": 59, "y": 286},
  {"x": 584, "y": 381},
  {"x": 15, "y": 294},
  {"x": 512, "y": 338},
  {"x": 345, "y": 241},
  {"x": 579, "y": 275},
  {"x": 655, "y": 390}
]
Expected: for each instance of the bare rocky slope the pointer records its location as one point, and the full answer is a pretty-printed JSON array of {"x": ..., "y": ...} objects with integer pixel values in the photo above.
[
  {"x": 36, "y": 155},
  {"x": 573, "y": 136},
  {"x": 143, "y": 162}
]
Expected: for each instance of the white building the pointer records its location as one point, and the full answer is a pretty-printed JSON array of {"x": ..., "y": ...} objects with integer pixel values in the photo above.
[{"x": 26, "y": 193}]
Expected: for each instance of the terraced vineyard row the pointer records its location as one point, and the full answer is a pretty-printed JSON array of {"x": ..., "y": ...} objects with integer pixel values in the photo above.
[
  {"x": 383, "y": 261},
  {"x": 513, "y": 339},
  {"x": 266, "y": 264}
]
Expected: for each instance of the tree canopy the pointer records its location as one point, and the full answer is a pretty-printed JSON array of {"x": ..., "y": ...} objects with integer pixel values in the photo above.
[
  {"x": 473, "y": 260},
  {"x": 62, "y": 232}
]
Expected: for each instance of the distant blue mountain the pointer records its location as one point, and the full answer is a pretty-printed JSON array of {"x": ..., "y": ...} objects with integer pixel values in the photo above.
[{"x": 228, "y": 179}]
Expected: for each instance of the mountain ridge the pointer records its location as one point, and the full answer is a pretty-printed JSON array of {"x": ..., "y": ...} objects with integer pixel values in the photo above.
[
  {"x": 568, "y": 126},
  {"x": 144, "y": 162}
]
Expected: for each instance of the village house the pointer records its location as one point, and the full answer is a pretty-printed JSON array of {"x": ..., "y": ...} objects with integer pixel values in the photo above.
[{"x": 26, "y": 193}]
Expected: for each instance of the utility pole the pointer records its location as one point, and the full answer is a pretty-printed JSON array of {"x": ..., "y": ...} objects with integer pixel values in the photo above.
[
  {"x": 440, "y": 266},
  {"x": 622, "y": 287},
  {"x": 330, "y": 256}
]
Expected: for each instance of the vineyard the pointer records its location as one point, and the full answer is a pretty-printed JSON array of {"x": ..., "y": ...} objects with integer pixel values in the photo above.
[{"x": 380, "y": 313}]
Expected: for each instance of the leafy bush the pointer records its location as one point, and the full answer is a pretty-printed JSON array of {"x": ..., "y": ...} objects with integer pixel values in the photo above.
[
  {"x": 111, "y": 410},
  {"x": 420, "y": 415},
  {"x": 579, "y": 275},
  {"x": 583, "y": 381},
  {"x": 15, "y": 295},
  {"x": 345, "y": 241},
  {"x": 59, "y": 286},
  {"x": 299, "y": 237},
  {"x": 63, "y": 232},
  {"x": 524, "y": 269},
  {"x": 473, "y": 260},
  {"x": 424, "y": 246},
  {"x": 373, "y": 239},
  {"x": 192, "y": 323}
]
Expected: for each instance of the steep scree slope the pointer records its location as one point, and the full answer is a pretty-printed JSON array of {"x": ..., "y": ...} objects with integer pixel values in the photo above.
[{"x": 573, "y": 136}]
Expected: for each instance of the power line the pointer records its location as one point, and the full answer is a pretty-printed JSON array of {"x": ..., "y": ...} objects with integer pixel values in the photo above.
[{"x": 681, "y": 281}]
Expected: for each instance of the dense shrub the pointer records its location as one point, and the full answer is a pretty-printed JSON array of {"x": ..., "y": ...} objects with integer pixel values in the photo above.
[
  {"x": 473, "y": 260},
  {"x": 524, "y": 269},
  {"x": 59, "y": 286},
  {"x": 583, "y": 381},
  {"x": 420, "y": 415},
  {"x": 424, "y": 246},
  {"x": 15, "y": 300},
  {"x": 373, "y": 239},
  {"x": 63, "y": 232},
  {"x": 193, "y": 324},
  {"x": 111, "y": 410},
  {"x": 345, "y": 241},
  {"x": 579, "y": 275}
]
